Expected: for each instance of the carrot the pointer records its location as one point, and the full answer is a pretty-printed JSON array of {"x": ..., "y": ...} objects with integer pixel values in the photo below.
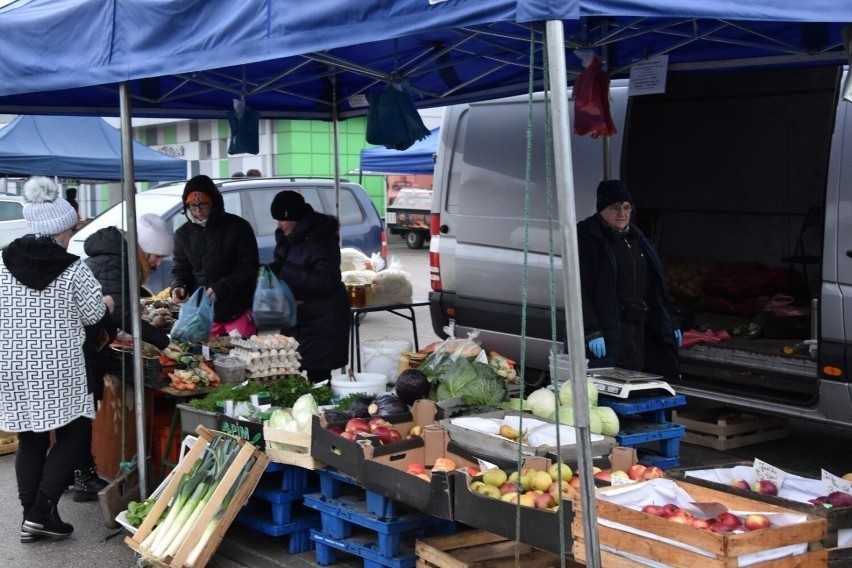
[{"x": 189, "y": 386}]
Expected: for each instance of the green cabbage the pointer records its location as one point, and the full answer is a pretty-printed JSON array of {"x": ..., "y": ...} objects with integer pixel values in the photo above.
[
  {"x": 279, "y": 418},
  {"x": 515, "y": 403},
  {"x": 542, "y": 402},
  {"x": 303, "y": 412},
  {"x": 609, "y": 419},
  {"x": 566, "y": 393},
  {"x": 476, "y": 383},
  {"x": 564, "y": 416},
  {"x": 595, "y": 422}
]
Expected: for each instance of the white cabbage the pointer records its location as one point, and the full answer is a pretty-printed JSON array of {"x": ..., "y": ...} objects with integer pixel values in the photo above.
[{"x": 542, "y": 403}]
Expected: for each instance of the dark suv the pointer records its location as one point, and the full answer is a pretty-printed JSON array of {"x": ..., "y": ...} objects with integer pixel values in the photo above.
[{"x": 360, "y": 224}]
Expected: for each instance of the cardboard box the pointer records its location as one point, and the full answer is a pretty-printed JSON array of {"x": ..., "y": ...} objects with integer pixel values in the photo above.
[
  {"x": 538, "y": 527},
  {"x": 347, "y": 456},
  {"x": 836, "y": 519},
  {"x": 674, "y": 544},
  {"x": 499, "y": 447},
  {"x": 246, "y": 452}
]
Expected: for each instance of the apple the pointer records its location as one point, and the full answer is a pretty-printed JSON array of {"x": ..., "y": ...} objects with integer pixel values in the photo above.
[
  {"x": 335, "y": 430},
  {"x": 729, "y": 520},
  {"x": 494, "y": 476},
  {"x": 377, "y": 421},
  {"x": 476, "y": 486},
  {"x": 491, "y": 491},
  {"x": 699, "y": 523},
  {"x": 654, "y": 510},
  {"x": 523, "y": 477},
  {"x": 472, "y": 471},
  {"x": 357, "y": 425},
  {"x": 527, "y": 500},
  {"x": 509, "y": 487},
  {"x": 575, "y": 483},
  {"x": 560, "y": 468},
  {"x": 395, "y": 435},
  {"x": 425, "y": 477},
  {"x": 541, "y": 480},
  {"x": 445, "y": 464},
  {"x": 620, "y": 474},
  {"x": 766, "y": 487},
  {"x": 680, "y": 517},
  {"x": 565, "y": 493},
  {"x": 847, "y": 476},
  {"x": 511, "y": 497},
  {"x": 652, "y": 472},
  {"x": 717, "y": 527},
  {"x": 670, "y": 509},
  {"x": 603, "y": 476},
  {"x": 636, "y": 471},
  {"x": 415, "y": 432},
  {"x": 348, "y": 435},
  {"x": 544, "y": 501},
  {"x": 416, "y": 468},
  {"x": 596, "y": 469},
  {"x": 741, "y": 484},
  {"x": 755, "y": 522},
  {"x": 383, "y": 433}
]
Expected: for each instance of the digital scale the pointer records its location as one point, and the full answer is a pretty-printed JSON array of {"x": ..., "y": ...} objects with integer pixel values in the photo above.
[{"x": 621, "y": 383}]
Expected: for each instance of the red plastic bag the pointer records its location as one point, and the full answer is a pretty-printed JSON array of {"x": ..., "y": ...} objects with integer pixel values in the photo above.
[{"x": 591, "y": 102}]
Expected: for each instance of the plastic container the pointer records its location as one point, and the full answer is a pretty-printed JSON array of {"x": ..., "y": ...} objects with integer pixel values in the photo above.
[
  {"x": 230, "y": 369},
  {"x": 382, "y": 356},
  {"x": 367, "y": 383}
]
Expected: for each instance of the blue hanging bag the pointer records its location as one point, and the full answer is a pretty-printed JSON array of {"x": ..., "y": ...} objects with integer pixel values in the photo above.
[{"x": 195, "y": 319}]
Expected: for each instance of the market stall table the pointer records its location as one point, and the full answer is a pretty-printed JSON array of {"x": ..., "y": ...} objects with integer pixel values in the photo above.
[{"x": 355, "y": 325}]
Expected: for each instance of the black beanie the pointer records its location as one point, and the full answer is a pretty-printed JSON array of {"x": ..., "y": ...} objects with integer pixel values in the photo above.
[
  {"x": 288, "y": 206},
  {"x": 611, "y": 191}
]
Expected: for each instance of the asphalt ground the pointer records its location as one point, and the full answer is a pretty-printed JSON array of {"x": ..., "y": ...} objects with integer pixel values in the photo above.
[{"x": 809, "y": 448}]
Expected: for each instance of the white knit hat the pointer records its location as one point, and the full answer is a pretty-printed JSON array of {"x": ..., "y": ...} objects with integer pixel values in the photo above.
[
  {"x": 46, "y": 212},
  {"x": 154, "y": 235}
]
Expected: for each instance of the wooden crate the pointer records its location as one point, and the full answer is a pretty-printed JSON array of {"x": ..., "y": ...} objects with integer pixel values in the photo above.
[
  {"x": 724, "y": 428},
  {"x": 298, "y": 451},
  {"x": 482, "y": 549},
  {"x": 9, "y": 443},
  {"x": 722, "y": 550},
  {"x": 239, "y": 500}
]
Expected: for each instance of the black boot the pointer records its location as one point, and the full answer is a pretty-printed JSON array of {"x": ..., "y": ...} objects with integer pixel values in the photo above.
[
  {"x": 43, "y": 520},
  {"x": 26, "y": 537},
  {"x": 87, "y": 484}
]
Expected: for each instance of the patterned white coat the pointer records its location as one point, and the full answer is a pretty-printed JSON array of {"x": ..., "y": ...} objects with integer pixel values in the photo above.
[{"x": 42, "y": 371}]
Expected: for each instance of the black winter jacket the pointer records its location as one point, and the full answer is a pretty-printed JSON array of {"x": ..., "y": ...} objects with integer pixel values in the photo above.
[
  {"x": 107, "y": 250},
  {"x": 221, "y": 255},
  {"x": 601, "y": 311},
  {"x": 308, "y": 260}
]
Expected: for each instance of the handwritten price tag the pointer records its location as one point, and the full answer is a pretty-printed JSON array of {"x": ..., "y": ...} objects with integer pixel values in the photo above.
[
  {"x": 619, "y": 480},
  {"x": 205, "y": 352},
  {"x": 766, "y": 472},
  {"x": 832, "y": 483}
]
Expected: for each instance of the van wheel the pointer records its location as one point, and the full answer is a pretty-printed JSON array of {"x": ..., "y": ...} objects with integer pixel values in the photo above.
[{"x": 414, "y": 240}]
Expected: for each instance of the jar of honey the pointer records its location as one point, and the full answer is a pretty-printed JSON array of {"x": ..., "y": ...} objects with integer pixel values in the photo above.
[{"x": 357, "y": 296}]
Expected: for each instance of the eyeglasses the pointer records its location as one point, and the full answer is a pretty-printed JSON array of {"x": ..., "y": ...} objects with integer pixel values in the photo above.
[
  {"x": 199, "y": 206},
  {"x": 615, "y": 208}
]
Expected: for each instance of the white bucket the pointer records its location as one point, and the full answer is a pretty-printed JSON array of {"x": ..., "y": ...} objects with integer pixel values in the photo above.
[{"x": 382, "y": 356}]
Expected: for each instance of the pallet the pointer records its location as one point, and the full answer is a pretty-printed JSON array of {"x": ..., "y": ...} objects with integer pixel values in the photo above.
[
  {"x": 649, "y": 408},
  {"x": 725, "y": 429},
  {"x": 12, "y": 446},
  {"x": 482, "y": 549}
]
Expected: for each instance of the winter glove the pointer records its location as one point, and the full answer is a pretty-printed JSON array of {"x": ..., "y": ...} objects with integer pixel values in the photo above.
[
  {"x": 597, "y": 347},
  {"x": 678, "y": 338}
]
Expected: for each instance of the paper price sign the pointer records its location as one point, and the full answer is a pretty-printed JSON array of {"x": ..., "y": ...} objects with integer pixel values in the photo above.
[
  {"x": 766, "y": 472},
  {"x": 832, "y": 483},
  {"x": 205, "y": 352}
]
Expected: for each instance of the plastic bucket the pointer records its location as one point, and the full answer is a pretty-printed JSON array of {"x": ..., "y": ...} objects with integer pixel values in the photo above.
[
  {"x": 366, "y": 383},
  {"x": 382, "y": 356}
]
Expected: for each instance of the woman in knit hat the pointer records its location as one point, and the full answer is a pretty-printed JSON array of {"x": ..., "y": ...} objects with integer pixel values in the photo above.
[
  {"x": 218, "y": 250},
  {"x": 626, "y": 311},
  {"x": 47, "y": 296},
  {"x": 307, "y": 258}
]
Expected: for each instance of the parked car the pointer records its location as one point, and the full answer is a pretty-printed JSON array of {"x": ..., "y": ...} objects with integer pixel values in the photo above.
[
  {"x": 360, "y": 224},
  {"x": 408, "y": 215},
  {"x": 12, "y": 223}
]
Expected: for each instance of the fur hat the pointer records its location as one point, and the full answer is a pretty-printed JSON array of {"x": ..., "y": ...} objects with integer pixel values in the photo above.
[
  {"x": 46, "y": 212},
  {"x": 611, "y": 191},
  {"x": 288, "y": 206},
  {"x": 154, "y": 235}
]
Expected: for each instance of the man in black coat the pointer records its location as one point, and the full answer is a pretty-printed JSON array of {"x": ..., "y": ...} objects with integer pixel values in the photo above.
[
  {"x": 307, "y": 258},
  {"x": 218, "y": 250},
  {"x": 626, "y": 313}
]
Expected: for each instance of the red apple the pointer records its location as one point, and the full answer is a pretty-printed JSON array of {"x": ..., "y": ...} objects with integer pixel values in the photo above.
[
  {"x": 699, "y": 523},
  {"x": 670, "y": 509},
  {"x": 335, "y": 430},
  {"x": 377, "y": 421},
  {"x": 636, "y": 471},
  {"x": 654, "y": 510},
  {"x": 717, "y": 527},
  {"x": 395, "y": 435},
  {"x": 679, "y": 517},
  {"x": 510, "y": 487},
  {"x": 766, "y": 487},
  {"x": 443, "y": 464},
  {"x": 348, "y": 435},
  {"x": 652, "y": 472},
  {"x": 729, "y": 520},
  {"x": 472, "y": 471},
  {"x": 565, "y": 493},
  {"x": 741, "y": 484},
  {"x": 544, "y": 501},
  {"x": 415, "y": 468},
  {"x": 604, "y": 476},
  {"x": 755, "y": 522},
  {"x": 383, "y": 433},
  {"x": 357, "y": 425},
  {"x": 575, "y": 482}
]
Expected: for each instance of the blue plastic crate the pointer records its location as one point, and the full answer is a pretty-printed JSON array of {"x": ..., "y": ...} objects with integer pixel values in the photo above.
[
  {"x": 328, "y": 546},
  {"x": 666, "y": 437},
  {"x": 285, "y": 477},
  {"x": 283, "y": 505},
  {"x": 650, "y": 408},
  {"x": 649, "y": 457},
  {"x": 332, "y": 482},
  {"x": 298, "y": 532}
]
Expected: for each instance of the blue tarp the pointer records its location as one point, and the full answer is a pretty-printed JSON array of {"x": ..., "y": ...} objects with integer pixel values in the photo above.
[
  {"x": 84, "y": 147},
  {"x": 192, "y": 58},
  {"x": 418, "y": 159}
]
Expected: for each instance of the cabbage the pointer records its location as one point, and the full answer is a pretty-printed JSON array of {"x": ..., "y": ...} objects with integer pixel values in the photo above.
[
  {"x": 609, "y": 419},
  {"x": 566, "y": 393},
  {"x": 476, "y": 383},
  {"x": 305, "y": 402},
  {"x": 564, "y": 416},
  {"x": 515, "y": 403},
  {"x": 542, "y": 402},
  {"x": 279, "y": 418},
  {"x": 595, "y": 422}
]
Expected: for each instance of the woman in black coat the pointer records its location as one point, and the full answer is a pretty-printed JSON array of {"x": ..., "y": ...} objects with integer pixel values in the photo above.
[
  {"x": 626, "y": 313},
  {"x": 307, "y": 258}
]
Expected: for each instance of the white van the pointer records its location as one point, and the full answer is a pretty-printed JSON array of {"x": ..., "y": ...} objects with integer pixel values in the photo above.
[{"x": 752, "y": 167}]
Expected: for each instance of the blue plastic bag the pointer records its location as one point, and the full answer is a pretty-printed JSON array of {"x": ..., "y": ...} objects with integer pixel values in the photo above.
[
  {"x": 195, "y": 320},
  {"x": 274, "y": 305}
]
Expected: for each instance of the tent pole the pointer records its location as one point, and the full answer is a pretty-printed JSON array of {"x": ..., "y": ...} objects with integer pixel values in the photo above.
[
  {"x": 129, "y": 191},
  {"x": 573, "y": 302},
  {"x": 335, "y": 126}
]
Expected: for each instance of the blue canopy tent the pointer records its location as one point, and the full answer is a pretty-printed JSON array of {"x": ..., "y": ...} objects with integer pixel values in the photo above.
[
  {"x": 77, "y": 147},
  {"x": 418, "y": 159},
  {"x": 171, "y": 58}
]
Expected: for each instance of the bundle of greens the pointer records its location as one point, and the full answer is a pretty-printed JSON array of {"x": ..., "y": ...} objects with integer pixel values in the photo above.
[{"x": 476, "y": 383}]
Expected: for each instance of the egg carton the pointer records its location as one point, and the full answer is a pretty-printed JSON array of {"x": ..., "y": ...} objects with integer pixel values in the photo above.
[
  {"x": 276, "y": 341},
  {"x": 274, "y": 373},
  {"x": 272, "y": 363}
]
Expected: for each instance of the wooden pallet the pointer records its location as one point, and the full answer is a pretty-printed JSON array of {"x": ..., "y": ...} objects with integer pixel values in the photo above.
[
  {"x": 725, "y": 429},
  {"x": 11, "y": 443},
  {"x": 481, "y": 549}
]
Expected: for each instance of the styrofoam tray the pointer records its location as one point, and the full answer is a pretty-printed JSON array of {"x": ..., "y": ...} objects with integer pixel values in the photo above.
[{"x": 121, "y": 518}]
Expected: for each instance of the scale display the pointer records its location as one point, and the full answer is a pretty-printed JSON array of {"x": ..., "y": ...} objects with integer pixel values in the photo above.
[{"x": 621, "y": 383}]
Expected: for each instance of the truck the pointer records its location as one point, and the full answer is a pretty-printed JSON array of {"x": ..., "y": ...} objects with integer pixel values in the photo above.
[
  {"x": 408, "y": 215},
  {"x": 744, "y": 175}
]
